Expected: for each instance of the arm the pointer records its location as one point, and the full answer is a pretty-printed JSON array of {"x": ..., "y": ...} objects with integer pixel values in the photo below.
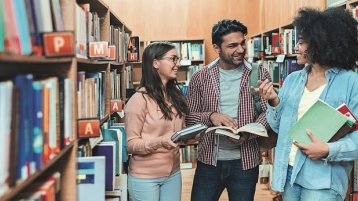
[
  {"x": 346, "y": 148},
  {"x": 135, "y": 111}
]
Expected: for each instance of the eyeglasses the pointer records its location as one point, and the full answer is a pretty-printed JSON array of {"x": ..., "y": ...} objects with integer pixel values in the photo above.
[{"x": 174, "y": 59}]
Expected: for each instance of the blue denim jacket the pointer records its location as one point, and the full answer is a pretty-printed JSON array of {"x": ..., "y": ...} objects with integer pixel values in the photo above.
[{"x": 331, "y": 172}]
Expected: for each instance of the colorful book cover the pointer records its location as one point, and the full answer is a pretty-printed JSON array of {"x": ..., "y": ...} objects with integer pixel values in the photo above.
[
  {"x": 323, "y": 120},
  {"x": 107, "y": 149},
  {"x": 2, "y": 34},
  {"x": 91, "y": 178},
  {"x": 348, "y": 113}
]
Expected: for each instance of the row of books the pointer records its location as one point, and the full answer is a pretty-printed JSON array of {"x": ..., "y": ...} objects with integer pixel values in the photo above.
[
  {"x": 280, "y": 70},
  {"x": 35, "y": 117},
  {"x": 275, "y": 43},
  {"x": 115, "y": 80},
  {"x": 101, "y": 167},
  {"x": 23, "y": 22},
  {"x": 190, "y": 50},
  {"x": 48, "y": 189},
  {"x": 91, "y": 93}
]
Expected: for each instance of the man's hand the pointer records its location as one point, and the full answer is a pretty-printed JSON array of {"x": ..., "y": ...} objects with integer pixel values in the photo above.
[
  {"x": 244, "y": 136},
  {"x": 315, "y": 150},
  {"x": 219, "y": 119}
]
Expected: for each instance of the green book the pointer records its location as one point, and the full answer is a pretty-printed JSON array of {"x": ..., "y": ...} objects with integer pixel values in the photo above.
[
  {"x": 324, "y": 121},
  {"x": 2, "y": 24}
]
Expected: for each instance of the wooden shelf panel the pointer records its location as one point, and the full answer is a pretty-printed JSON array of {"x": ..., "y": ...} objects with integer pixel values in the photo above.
[
  {"x": 23, "y": 184},
  {"x": 91, "y": 62},
  {"x": 20, "y": 59}
]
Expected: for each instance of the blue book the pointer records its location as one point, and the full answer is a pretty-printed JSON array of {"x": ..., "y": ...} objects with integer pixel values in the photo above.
[
  {"x": 111, "y": 135},
  {"x": 37, "y": 124},
  {"x": 120, "y": 126},
  {"x": 91, "y": 178},
  {"x": 107, "y": 149},
  {"x": 22, "y": 27}
]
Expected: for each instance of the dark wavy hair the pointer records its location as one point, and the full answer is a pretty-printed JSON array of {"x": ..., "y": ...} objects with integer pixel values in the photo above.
[
  {"x": 154, "y": 87},
  {"x": 225, "y": 27},
  {"x": 331, "y": 36}
]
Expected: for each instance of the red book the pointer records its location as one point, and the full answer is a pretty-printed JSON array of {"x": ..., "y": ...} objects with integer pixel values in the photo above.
[{"x": 348, "y": 113}]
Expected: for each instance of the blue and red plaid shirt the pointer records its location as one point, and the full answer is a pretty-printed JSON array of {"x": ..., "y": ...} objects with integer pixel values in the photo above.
[{"x": 203, "y": 99}]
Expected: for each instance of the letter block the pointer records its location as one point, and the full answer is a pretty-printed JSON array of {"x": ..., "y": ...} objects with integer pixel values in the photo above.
[
  {"x": 88, "y": 128},
  {"x": 98, "y": 49},
  {"x": 58, "y": 44},
  {"x": 116, "y": 105}
]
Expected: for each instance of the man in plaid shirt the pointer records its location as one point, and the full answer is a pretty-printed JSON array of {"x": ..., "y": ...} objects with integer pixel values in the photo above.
[{"x": 219, "y": 94}]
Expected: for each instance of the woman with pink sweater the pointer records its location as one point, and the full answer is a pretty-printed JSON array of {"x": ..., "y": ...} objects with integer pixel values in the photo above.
[{"x": 152, "y": 115}]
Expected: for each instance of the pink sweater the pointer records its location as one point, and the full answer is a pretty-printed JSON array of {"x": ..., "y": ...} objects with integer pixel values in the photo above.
[{"x": 145, "y": 127}]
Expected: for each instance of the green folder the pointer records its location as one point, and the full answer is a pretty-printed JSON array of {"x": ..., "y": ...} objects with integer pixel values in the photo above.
[{"x": 324, "y": 121}]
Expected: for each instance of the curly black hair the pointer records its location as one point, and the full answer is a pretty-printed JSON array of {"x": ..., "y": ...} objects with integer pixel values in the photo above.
[
  {"x": 331, "y": 36},
  {"x": 225, "y": 27}
]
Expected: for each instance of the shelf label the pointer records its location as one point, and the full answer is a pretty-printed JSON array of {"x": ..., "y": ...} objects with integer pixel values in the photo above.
[
  {"x": 116, "y": 105},
  {"x": 98, "y": 49},
  {"x": 58, "y": 44},
  {"x": 88, "y": 128}
]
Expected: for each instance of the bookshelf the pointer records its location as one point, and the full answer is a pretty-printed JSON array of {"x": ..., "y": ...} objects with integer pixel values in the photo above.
[
  {"x": 187, "y": 66},
  {"x": 59, "y": 76}
]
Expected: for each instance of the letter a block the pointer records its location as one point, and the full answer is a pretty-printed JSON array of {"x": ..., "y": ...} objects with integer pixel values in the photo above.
[
  {"x": 88, "y": 128},
  {"x": 98, "y": 49},
  {"x": 116, "y": 105},
  {"x": 58, "y": 44}
]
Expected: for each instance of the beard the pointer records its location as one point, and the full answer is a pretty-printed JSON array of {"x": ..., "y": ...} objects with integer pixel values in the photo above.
[{"x": 229, "y": 59}]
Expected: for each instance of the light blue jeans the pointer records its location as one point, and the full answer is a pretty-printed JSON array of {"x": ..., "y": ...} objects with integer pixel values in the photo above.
[
  {"x": 158, "y": 189},
  {"x": 299, "y": 193}
]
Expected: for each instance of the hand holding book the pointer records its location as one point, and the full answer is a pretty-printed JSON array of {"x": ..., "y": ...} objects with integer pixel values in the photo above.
[
  {"x": 188, "y": 133},
  {"x": 254, "y": 128}
]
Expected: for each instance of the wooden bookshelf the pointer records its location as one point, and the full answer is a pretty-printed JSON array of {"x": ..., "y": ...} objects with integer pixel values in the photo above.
[
  {"x": 182, "y": 76},
  {"x": 41, "y": 67}
]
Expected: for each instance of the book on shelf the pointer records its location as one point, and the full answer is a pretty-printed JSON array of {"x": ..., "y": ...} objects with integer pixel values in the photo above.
[
  {"x": 133, "y": 49},
  {"x": 254, "y": 128},
  {"x": 324, "y": 121},
  {"x": 91, "y": 178},
  {"x": 188, "y": 132}
]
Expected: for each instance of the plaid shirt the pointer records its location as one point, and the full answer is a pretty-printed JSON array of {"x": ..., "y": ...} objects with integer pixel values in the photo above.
[{"x": 203, "y": 99}]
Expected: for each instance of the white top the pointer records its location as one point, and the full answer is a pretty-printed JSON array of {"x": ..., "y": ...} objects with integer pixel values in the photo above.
[{"x": 307, "y": 100}]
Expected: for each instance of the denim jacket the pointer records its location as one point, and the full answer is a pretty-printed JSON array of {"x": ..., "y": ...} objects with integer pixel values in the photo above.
[{"x": 331, "y": 172}]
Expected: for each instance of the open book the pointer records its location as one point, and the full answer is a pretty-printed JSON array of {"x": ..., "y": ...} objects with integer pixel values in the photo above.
[
  {"x": 254, "y": 128},
  {"x": 188, "y": 132},
  {"x": 325, "y": 122}
]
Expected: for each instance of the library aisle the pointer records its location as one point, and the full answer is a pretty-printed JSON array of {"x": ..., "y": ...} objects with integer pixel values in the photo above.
[{"x": 262, "y": 193}]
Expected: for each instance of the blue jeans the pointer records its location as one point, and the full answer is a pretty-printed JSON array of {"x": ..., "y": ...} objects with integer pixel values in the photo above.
[
  {"x": 210, "y": 181},
  {"x": 299, "y": 193},
  {"x": 158, "y": 189}
]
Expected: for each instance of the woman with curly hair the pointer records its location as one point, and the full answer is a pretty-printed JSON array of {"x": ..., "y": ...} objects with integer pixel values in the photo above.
[
  {"x": 153, "y": 114},
  {"x": 328, "y": 46}
]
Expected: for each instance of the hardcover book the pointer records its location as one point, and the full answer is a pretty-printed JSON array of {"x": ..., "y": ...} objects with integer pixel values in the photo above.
[
  {"x": 188, "y": 132},
  {"x": 324, "y": 121},
  {"x": 254, "y": 128}
]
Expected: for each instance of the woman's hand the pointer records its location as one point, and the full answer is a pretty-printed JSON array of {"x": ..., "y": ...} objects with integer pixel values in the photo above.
[
  {"x": 167, "y": 142},
  {"x": 266, "y": 91},
  {"x": 315, "y": 150}
]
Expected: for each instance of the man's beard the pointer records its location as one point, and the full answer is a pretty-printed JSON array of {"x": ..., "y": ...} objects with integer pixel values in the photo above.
[{"x": 230, "y": 60}]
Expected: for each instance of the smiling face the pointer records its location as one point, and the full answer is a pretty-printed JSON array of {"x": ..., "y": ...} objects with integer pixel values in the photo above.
[
  {"x": 301, "y": 51},
  {"x": 167, "y": 66},
  {"x": 231, "y": 50}
]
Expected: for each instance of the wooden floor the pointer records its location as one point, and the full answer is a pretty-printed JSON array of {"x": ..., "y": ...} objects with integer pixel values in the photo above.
[{"x": 262, "y": 193}]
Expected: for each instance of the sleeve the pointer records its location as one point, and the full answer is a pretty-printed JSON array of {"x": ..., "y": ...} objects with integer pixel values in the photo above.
[
  {"x": 194, "y": 99},
  {"x": 135, "y": 114},
  {"x": 346, "y": 148},
  {"x": 273, "y": 114},
  {"x": 261, "y": 119}
]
